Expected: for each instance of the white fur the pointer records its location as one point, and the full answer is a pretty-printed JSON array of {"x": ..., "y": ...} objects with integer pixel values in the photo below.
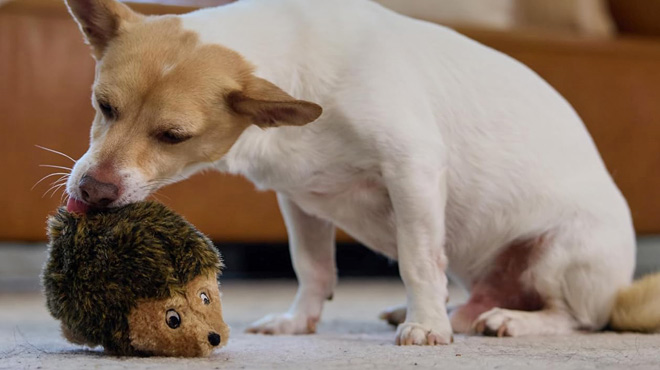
[{"x": 432, "y": 149}]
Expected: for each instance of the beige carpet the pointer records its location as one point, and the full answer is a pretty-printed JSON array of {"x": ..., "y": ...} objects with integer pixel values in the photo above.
[{"x": 350, "y": 337}]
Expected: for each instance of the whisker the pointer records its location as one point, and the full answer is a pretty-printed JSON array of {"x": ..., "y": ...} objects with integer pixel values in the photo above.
[
  {"x": 209, "y": 158},
  {"x": 53, "y": 166},
  {"x": 47, "y": 176},
  {"x": 152, "y": 186},
  {"x": 54, "y": 187},
  {"x": 57, "y": 182},
  {"x": 65, "y": 195},
  {"x": 56, "y": 152},
  {"x": 168, "y": 180},
  {"x": 59, "y": 187},
  {"x": 51, "y": 188},
  {"x": 157, "y": 183},
  {"x": 61, "y": 180},
  {"x": 161, "y": 195}
]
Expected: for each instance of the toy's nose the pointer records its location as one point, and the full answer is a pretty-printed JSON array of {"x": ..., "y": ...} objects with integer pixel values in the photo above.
[
  {"x": 214, "y": 339},
  {"x": 97, "y": 193}
]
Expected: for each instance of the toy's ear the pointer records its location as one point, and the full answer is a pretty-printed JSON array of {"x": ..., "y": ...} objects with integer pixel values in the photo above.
[
  {"x": 100, "y": 20},
  {"x": 266, "y": 105}
]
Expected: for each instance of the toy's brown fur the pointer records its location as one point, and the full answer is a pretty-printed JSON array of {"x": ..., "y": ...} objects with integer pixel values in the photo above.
[
  {"x": 150, "y": 333},
  {"x": 105, "y": 267}
]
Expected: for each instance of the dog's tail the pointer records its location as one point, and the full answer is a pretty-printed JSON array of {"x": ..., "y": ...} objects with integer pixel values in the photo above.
[{"x": 637, "y": 307}]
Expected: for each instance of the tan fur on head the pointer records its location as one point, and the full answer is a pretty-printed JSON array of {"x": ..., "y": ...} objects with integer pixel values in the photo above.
[
  {"x": 162, "y": 85},
  {"x": 265, "y": 104},
  {"x": 150, "y": 333},
  {"x": 167, "y": 105},
  {"x": 101, "y": 20},
  {"x": 637, "y": 307}
]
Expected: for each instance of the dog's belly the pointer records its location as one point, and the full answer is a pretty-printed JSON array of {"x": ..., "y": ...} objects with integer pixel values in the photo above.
[{"x": 363, "y": 209}]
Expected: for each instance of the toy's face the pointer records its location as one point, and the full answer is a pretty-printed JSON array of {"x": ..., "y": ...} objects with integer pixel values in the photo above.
[{"x": 184, "y": 325}]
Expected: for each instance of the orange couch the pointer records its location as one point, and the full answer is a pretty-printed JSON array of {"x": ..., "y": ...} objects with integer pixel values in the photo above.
[{"x": 46, "y": 72}]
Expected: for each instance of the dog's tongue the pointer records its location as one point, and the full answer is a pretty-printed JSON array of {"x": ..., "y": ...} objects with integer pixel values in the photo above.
[{"x": 76, "y": 206}]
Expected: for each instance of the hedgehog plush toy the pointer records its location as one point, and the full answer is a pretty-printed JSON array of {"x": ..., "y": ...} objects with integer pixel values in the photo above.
[{"x": 137, "y": 280}]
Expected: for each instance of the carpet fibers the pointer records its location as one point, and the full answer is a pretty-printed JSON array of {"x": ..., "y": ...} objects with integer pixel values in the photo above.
[{"x": 349, "y": 337}]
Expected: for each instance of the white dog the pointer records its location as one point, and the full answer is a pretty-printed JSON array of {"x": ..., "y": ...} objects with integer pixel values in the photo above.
[{"x": 431, "y": 149}]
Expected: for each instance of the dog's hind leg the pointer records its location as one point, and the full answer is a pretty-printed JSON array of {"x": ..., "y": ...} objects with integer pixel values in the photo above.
[
  {"x": 394, "y": 315},
  {"x": 570, "y": 277},
  {"x": 503, "y": 285}
]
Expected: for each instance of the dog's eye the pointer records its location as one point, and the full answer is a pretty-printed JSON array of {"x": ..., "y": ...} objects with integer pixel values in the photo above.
[
  {"x": 205, "y": 298},
  {"x": 172, "y": 137},
  {"x": 172, "y": 319},
  {"x": 108, "y": 110}
]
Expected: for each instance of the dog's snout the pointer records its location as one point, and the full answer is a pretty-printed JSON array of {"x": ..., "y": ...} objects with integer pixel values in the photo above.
[
  {"x": 214, "y": 339},
  {"x": 97, "y": 193}
]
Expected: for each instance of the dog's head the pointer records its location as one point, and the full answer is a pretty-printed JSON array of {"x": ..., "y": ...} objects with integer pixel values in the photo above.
[{"x": 166, "y": 104}]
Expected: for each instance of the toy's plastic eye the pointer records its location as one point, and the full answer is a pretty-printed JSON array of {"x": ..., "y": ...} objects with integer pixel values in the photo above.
[
  {"x": 205, "y": 298},
  {"x": 172, "y": 319}
]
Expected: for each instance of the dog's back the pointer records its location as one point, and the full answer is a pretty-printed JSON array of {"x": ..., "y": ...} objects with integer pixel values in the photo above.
[{"x": 514, "y": 146}]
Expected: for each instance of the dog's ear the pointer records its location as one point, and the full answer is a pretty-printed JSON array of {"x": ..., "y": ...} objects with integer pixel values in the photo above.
[
  {"x": 100, "y": 20},
  {"x": 267, "y": 105}
]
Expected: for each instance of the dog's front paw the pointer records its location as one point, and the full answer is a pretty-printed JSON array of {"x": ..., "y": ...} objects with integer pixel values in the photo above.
[
  {"x": 285, "y": 323},
  {"x": 410, "y": 333}
]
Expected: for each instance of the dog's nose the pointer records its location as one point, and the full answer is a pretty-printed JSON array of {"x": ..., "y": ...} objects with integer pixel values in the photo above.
[
  {"x": 214, "y": 339},
  {"x": 97, "y": 193}
]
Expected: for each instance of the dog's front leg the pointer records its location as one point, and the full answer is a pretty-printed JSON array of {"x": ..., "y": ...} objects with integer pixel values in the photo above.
[
  {"x": 418, "y": 198},
  {"x": 312, "y": 246}
]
